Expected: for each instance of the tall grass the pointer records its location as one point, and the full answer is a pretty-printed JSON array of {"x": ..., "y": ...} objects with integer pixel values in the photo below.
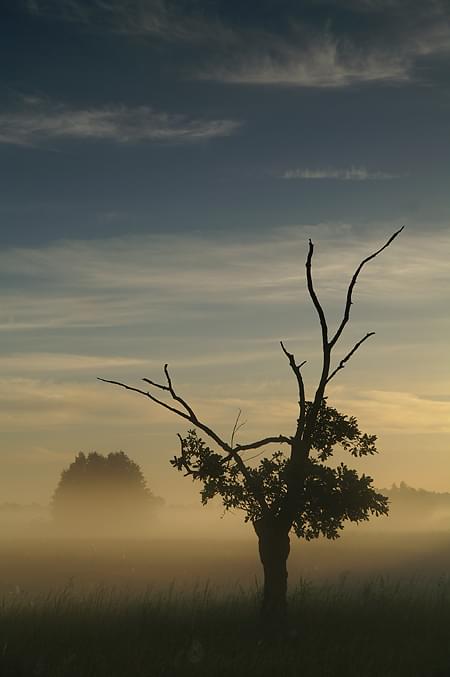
[{"x": 380, "y": 628}]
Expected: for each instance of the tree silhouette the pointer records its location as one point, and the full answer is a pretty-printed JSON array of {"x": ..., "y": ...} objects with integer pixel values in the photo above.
[
  {"x": 288, "y": 491},
  {"x": 106, "y": 494}
]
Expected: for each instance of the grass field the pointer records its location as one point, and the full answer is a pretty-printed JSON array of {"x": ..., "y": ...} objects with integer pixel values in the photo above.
[
  {"x": 373, "y": 606},
  {"x": 372, "y": 629}
]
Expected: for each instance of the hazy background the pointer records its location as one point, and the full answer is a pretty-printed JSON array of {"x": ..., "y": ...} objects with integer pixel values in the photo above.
[{"x": 187, "y": 547}]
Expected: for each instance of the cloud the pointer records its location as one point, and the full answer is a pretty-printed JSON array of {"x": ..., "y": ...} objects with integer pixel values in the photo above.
[
  {"x": 36, "y": 455},
  {"x": 138, "y": 302},
  {"x": 395, "y": 411},
  {"x": 346, "y": 43},
  {"x": 368, "y": 43},
  {"x": 39, "y": 120},
  {"x": 28, "y": 403},
  {"x": 63, "y": 362},
  {"x": 186, "y": 299},
  {"x": 318, "y": 62},
  {"x": 44, "y": 403},
  {"x": 352, "y": 174},
  {"x": 44, "y": 362},
  {"x": 166, "y": 19},
  {"x": 36, "y": 404},
  {"x": 134, "y": 281}
]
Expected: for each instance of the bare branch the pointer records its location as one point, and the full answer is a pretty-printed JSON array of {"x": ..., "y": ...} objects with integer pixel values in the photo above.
[
  {"x": 190, "y": 415},
  {"x": 327, "y": 347},
  {"x": 281, "y": 439},
  {"x": 313, "y": 295},
  {"x": 348, "y": 356},
  {"x": 156, "y": 385},
  {"x": 348, "y": 302},
  {"x": 301, "y": 387},
  {"x": 183, "y": 402},
  {"x": 169, "y": 380},
  {"x": 146, "y": 394},
  {"x": 237, "y": 426},
  {"x": 313, "y": 412},
  {"x": 251, "y": 458}
]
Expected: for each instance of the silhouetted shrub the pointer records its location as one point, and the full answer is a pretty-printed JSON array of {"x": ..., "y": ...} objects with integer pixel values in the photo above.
[{"x": 103, "y": 494}]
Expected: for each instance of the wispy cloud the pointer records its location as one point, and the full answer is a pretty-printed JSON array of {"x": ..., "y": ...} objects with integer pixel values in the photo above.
[
  {"x": 163, "y": 19},
  {"x": 39, "y": 120},
  {"x": 311, "y": 56},
  {"x": 377, "y": 42},
  {"x": 394, "y": 411},
  {"x": 45, "y": 363},
  {"x": 30, "y": 404},
  {"x": 352, "y": 174},
  {"x": 210, "y": 295},
  {"x": 130, "y": 280},
  {"x": 318, "y": 62},
  {"x": 62, "y": 362},
  {"x": 46, "y": 403}
]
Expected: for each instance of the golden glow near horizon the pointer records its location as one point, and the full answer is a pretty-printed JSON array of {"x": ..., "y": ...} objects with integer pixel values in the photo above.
[{"x": 215, "y": 308}]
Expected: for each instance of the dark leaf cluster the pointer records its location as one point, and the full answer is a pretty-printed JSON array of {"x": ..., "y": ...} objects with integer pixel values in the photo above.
[
  {"x": 333, "y": 428},
  {"x": 221, "y": 476},
  {"x": 332, "y": 496},
  {"x": 325, "y": 498}
]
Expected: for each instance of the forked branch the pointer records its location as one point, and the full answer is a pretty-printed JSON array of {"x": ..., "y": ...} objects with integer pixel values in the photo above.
[
  {"x": 313, "y": 295},
  {"x": 237, "y": 426},
  {"x": 190, "y": 415},
  {"x": 341, "y": 364},
  {"x": 296, "y": 368},
  {"x": 327, "y": 346},
  {"x": 348, "y": 302}
]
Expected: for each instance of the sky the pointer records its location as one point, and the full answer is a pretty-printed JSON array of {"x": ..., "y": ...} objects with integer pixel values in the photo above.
[{"x": 163, "y": 165}]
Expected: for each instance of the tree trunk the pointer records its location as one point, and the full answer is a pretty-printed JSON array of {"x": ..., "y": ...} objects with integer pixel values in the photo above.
[{"x": 274, "y": 547}]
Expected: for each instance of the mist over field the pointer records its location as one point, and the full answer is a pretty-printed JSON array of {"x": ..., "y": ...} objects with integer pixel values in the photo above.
[{"x": 188, "y": 546}]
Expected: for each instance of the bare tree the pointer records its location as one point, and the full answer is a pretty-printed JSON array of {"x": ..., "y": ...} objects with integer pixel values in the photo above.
[{"x": 288, "y": 491}]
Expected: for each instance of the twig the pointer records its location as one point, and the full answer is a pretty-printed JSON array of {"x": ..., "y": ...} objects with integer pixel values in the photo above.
[
  {"x": 301, "y": 387},
  {"x": 236, "y": 427},
  {"x": 313, "y": 295},
  {"x": 190, "y": 415},
  {"x": 348, "y": 302},
  {"x": 348, "y": 356}
]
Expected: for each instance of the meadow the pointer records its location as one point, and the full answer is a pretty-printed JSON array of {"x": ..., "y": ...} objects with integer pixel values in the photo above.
[
  {"x": 150, "y": 609},
  {"x": 375, "y": 629}
]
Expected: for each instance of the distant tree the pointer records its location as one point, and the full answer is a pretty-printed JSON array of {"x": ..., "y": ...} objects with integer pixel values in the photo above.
[
  {"x": 417, "y": 508},
  {"x": 295, "y": 491},
  {"x": 107, "y": 493}
]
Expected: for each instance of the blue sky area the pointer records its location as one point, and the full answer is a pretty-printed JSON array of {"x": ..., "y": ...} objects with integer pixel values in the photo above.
[{"x": 144, "y": 116}]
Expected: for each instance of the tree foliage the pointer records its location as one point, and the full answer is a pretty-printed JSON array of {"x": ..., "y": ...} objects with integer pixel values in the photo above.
[{"x": 328, "y": 497}]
